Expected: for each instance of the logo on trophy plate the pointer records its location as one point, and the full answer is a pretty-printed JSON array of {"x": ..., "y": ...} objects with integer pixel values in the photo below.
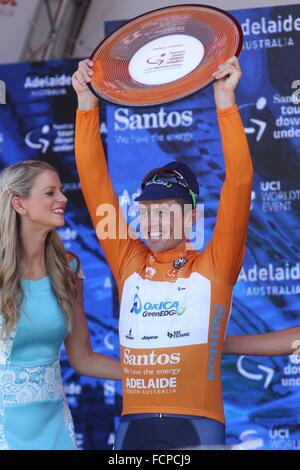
[{"x": 164, "y": 55}]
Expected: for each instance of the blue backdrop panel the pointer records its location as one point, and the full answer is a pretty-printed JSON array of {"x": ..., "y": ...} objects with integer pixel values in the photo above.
[{"x": 260, "y": 394}]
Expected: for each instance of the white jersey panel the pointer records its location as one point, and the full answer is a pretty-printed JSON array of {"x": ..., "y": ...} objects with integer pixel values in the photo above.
[{"x": 156, "y": 314}]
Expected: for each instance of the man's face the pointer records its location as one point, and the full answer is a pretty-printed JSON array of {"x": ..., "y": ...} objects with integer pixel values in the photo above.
[{"x": 162, "y": 224}]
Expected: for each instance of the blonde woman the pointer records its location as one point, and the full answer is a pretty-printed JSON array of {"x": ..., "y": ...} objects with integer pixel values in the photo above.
[{"x": 41, "y": 306}]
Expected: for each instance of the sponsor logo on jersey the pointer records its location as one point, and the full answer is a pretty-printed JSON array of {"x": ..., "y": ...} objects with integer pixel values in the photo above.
[
  {"x": 129, "y": 335},
  {"x": 150, "y": 271},
  {"x": 159, "y": 383},
  {"x": 149, "y": 338},
  {"x": 137, "y": 304},
  {"x": 163, "y": 309},
  {"x": 218, "y": 315},
  {"x": 177, "y": 334},
  {"x": 159, "y": 309},
  {"x": 179, "y": 263},
  {"x": 151, "y": 359}
]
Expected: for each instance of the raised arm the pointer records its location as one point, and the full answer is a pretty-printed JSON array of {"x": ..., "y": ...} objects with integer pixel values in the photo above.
[
  {"x": 277, "y": 343},
  {"x": 227, "y": 246},
  {"x": 95, "y": 182}
]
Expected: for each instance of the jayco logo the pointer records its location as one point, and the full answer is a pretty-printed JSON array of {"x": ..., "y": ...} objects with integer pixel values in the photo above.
[{"x": 2, "y": 92}]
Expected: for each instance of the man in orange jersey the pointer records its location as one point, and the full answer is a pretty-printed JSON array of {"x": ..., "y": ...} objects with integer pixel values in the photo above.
[{"x": 175, "y": 302}]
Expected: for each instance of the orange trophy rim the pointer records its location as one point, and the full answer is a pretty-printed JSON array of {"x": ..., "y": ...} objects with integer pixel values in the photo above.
[{"x": 219, "y": 33}]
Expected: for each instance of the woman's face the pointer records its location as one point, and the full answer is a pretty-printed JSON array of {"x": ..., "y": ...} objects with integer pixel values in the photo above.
[{"x": 45, "y": 208}]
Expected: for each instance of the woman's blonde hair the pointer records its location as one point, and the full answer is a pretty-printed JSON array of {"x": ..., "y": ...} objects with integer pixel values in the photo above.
[{"x": 17, "y": 180}]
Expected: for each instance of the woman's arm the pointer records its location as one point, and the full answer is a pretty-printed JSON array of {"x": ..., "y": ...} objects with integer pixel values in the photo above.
[
  {"x": 80, "y": 354},
  {"x": 277, "y": 343}
]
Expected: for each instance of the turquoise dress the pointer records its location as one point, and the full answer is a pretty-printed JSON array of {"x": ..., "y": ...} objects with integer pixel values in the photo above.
[{"x": 34, "y": 413}]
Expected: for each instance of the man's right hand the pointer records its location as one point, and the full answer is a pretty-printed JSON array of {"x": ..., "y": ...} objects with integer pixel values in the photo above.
[{"x": 83, "y": 75}]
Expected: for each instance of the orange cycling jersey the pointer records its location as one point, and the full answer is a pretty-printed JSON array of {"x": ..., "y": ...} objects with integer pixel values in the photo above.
[{"x": 175, "y": 305}]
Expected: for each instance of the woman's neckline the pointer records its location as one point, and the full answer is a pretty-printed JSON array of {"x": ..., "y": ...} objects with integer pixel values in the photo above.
[{"x": 34, "y": 280}]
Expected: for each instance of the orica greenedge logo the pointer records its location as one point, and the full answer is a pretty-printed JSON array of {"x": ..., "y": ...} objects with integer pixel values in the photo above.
[{"x": 159, "y": 309}]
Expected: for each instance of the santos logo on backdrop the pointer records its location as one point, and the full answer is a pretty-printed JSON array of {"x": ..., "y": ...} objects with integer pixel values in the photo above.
[{"x": 126, "y": 120}]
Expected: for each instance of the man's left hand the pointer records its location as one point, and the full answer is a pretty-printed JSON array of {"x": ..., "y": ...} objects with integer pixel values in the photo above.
[{"x": 226, "y": 80}]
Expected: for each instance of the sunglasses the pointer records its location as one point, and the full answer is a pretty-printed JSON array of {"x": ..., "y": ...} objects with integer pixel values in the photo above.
[{"x": 169, "y": 175}]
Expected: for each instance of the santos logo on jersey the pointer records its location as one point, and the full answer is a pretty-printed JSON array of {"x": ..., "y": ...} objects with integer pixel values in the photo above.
[{"x": 151, "y": 359}]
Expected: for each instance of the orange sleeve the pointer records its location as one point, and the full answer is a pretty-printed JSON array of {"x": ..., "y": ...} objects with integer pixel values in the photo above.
[
  {"x": 228, "y": 243},
  {"x": 97, "y": 189}
]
